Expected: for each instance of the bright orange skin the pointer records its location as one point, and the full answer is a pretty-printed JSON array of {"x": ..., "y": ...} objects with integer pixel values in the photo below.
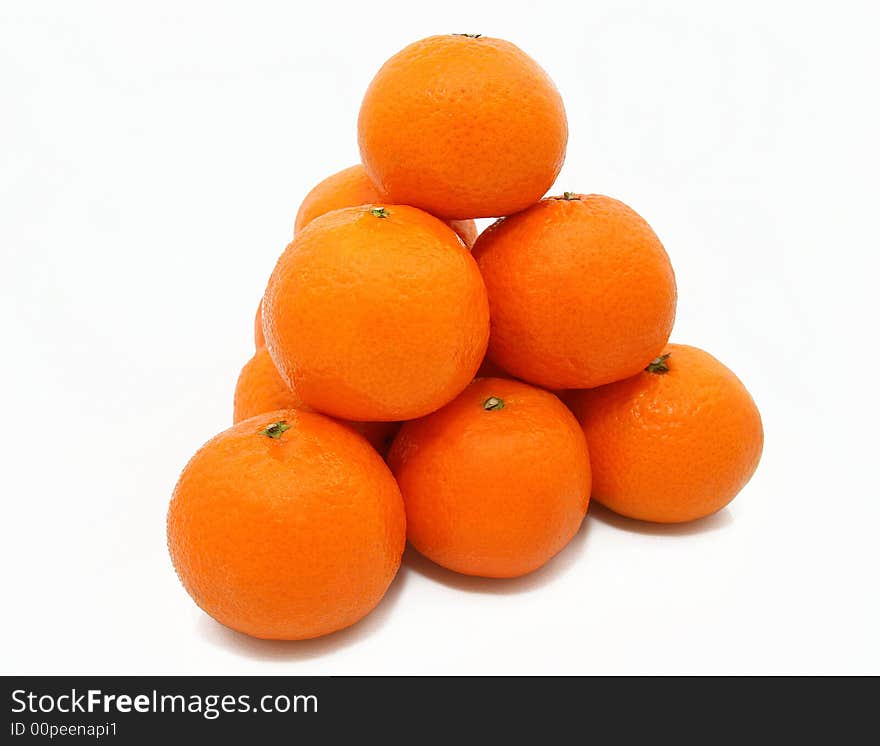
[
  {"x": 352, "y": 187},
  {"x": 493, "y": 493},
  {"x": 286, "y": 538},
  {"x": 376, "y": 318},
  {"x": 261, "y": 389},
  {"x": 347, "y": 188},
  {"x": 259, "y": 339},
  {"x": 581, "y": 290},
  {"x": 462, "y": 128},
  {"x": 675, "y": 446}
]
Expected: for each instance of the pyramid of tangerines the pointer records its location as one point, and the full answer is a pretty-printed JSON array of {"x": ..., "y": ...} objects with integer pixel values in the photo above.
[{"x": 470, "y": 394}]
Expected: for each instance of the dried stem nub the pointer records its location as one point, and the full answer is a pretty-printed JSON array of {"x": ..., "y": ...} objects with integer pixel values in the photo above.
[
  {"x": 659, "y": 364},
  {"x": 493, "y": 403},
  {"x": 275, "y": 430}
]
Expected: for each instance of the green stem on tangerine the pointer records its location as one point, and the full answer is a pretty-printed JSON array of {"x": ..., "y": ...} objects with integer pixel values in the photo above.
[
  {"x": 569, "y": 196},
  {"x": 659, "y": 364},
  {"x": 493, "y": 403},
  {"x": 469, "y": 36},
  {"x": 380, "y": 212},
  {"x": 275, "y": 430}
]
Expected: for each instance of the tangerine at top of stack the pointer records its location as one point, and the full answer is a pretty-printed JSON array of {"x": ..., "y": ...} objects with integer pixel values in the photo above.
[{"x": 462, "y": 126}]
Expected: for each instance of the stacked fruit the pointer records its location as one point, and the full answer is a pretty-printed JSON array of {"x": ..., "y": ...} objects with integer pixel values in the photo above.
[{"x": 291, "y": 525}]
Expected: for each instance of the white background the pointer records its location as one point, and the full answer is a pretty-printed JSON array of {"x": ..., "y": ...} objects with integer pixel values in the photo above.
[{"x": 152, "y": 157}]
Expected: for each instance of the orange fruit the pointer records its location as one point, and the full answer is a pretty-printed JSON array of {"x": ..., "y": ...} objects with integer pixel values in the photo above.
[
  {"x": 496, "y": 482},
  {"x": 463, "y": 127},
  {"x": 352, "y": 187},
  {"x": 261, "y": 389},
  {"x": 674, "y": 443},
  {"x": 259, "y": 339},
  {"x": 286, "y": 526},
  {"x": 347, "y": 188},
  {"x": 581, "y": 290},
  {"x": 376, "y": 314}
]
